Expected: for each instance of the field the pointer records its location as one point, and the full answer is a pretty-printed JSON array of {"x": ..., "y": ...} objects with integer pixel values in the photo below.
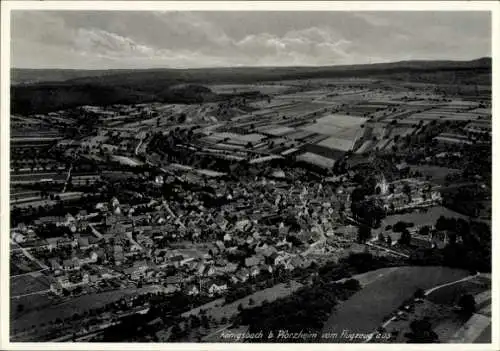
[
  {"x": 341, "y": 121},
  {"x": 381, "y": 297},
  {"x": 437, "y": 173},
  {"x": 66, "y": 309},
  {"x": 451, "y": 294},
  {"x": 337, "y": 143},
  {"x": 127, "y": 161},
  {"x": 218, "y": 310},
  {"x": 299, "y": 109},
  {"x": 20, "y": 264},
  {"x": 28, "y": 284},
  {"x": 450, "y": 326},
  {"x": 33, "y": 177},
  {"x": 421, "y": 218},
  {"x": 316, "y": 160},
  {"x": 243, "y": 88},
  {"x": 278, "y": 131}
]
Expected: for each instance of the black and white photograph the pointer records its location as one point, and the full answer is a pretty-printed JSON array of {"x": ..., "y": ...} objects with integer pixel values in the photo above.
[{"x": 248, "y": 176}]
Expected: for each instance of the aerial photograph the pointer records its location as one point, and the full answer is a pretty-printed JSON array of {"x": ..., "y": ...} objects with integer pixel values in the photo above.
[{"x": 250, "y": 177}]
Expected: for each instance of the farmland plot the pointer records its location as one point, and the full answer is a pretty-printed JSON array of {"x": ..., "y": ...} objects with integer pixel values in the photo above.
[
  {"x": 337, "y": 143},
  {"x": 376, "y": 301},
  {"x": 27, "y": 284}
]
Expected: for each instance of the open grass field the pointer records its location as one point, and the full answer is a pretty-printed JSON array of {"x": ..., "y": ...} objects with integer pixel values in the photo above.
[
  {"x": 437, "y": 173},
  {"x": 316, "y": 160},
  {"x": 299, "y": 109},
  {"x": 278, "y": 131},
  {"x": 341, "y": 120},
  {"x": 421, "y": 218},
  {"x": 337, "y": 143},
  {"x": 27, "y": 284},
  {"x": 381, "y": 297},
  {"x": 127, "y": 161}
]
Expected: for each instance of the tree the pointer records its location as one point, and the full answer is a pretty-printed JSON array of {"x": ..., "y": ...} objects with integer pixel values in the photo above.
[
  {"x": 424, "y": 230},
  {"x": 389, "y": 240},
  {"x": 405, "y": 238},
  {"x": 407, "y": 191},
  {"x": 421, "y": 332},
  {"x": 380, "y": 237},
  {"x": 399, "y": 227},
  {"x": 182, "y": 118},
  {"x": 468, "y": 304},
  {"x": 419, "y": 293},
  {"x": 176, "y": 332},
  {"x": 364, "y": 233}
]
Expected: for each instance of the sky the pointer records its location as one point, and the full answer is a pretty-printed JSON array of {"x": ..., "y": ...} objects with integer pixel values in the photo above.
[{"x": 159, "y": 39}]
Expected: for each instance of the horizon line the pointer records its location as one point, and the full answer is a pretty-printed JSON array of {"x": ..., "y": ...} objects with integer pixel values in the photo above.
[{"x": 246, "y": 66}]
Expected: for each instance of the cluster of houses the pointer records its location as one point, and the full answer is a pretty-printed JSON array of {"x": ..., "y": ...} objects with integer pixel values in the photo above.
[{"x": 405, "y": 194}]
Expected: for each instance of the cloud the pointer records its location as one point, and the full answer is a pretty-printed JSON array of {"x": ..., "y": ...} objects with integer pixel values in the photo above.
[{"x": 104, "y": 39}]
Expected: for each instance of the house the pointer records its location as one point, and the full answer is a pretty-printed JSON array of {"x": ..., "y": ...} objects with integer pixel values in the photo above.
[
  {"x": 52, "y": 242},
  {"x": 176, "y": 280},
  {"x": 192, "y": 290},
  {"x": 93, "y": 241},
  {"x": 272, "y": 258},
  {"x": 176, "y": 260},
  {"x": 207, "y": 270},
  {"x": 281, "y": 258},
  {"x": 118, "y": 254},
  {"x": 230, "y": 267},
  {"x": 252, "y": 261},
  {"x": 255, "y": 271},
  {"x": 55, "y": 265},
  {"x": 217, "y": 288},
  {"x": 71, "y": 264},
  {"x": 18, "y": 237},
  {"x": 82, "y": 214},
  {"x": 56, "y": 287},
  {"x": 101, "y": 254},
  {"x": 243, "y": 275},
  {"x": 298, "y": 261},
  {"x": 83, "y": 243},
  {"x": 68, "y": 219},
  {"x": 220, "y": 246},
  {"x": 137, "y": 271},
  {"x": 219, "y": 262},
  {"x": 266, "y": 268},
  {"x": 92, "y": 258},
  {"x": 93, "y": 279},
  {"x": 160, "y": 257}
]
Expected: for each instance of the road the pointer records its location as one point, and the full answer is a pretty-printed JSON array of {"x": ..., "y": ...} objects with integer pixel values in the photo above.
[
  {"x": 428, "y": 291},
  {"x": 95, "y": 231},
  {"x": 138, "y": 147},
  {"x": 67, "y": 178}
]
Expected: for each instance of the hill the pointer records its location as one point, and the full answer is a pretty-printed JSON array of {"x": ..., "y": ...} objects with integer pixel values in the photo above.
[{"x": 68, "y": 88}]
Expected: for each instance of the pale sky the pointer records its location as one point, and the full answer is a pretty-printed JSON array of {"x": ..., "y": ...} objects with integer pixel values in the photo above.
[{"x": 113, "y": 39}]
